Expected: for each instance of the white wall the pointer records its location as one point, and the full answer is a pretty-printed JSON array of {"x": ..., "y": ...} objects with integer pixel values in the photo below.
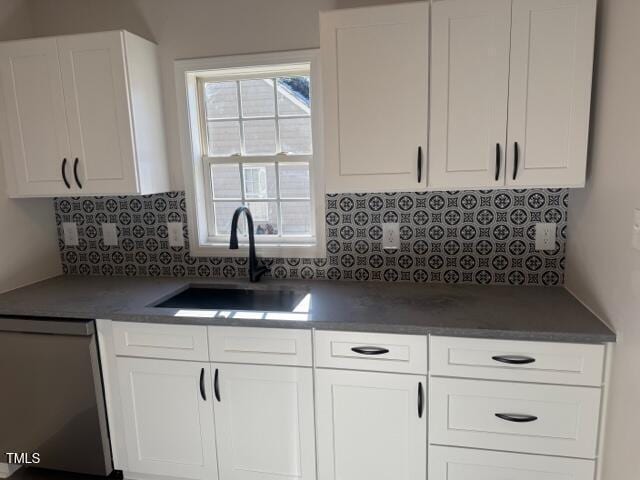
[
  {"x": 191, "y": 29},
  {"x": 28, "y": 239},
  {"x": 602, "y": 268}
]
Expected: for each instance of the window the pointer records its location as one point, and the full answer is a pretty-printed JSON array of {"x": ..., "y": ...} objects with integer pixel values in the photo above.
[{"x": 253, "y": 124}]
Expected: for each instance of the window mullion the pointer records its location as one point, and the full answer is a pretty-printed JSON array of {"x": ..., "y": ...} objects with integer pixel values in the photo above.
[
  {"x": 277, "y": 117},
  {"x": 240, "y": 118}
]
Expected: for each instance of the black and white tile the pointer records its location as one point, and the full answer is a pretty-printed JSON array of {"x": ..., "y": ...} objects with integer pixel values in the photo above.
[{"x": 471, "y": 237}]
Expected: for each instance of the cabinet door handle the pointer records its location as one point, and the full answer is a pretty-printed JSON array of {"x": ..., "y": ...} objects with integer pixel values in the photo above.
[
  {"x": 216, "y": 387},
  {"x": 419, "y": 164},
  {"x": 75, "y": 172},
  {"x": 516, "y": 159},
  {"x": 514, "y": 359},
  {"x": 420, "y": 400},
  {"x": 203, "y": 394},
  {"x": 498, "y": 162},
  {"x": 64, "y": 173},
  {"x": 516, "y": 417},
  {"x": 370, "y": 350}
]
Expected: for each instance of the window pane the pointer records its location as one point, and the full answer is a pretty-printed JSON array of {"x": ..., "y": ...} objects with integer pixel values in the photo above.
[
  {"x": 221, "y": 99},
  {"x": 257, "y": 98},
  {"x": 296, "y": 218},
  {"x": 265, "y": 217},
  {"x": 224, "y": 138},
  {"x": 294, "y": 96},
  {"x": 259, "y": 137},
  {"x": 295, "y": 135},
  {"x": 225, "y": 179},
  {"x": 259, "y": 180},
  {"x": 223, "y": 212},
  {"x": 294, "y": 180}
]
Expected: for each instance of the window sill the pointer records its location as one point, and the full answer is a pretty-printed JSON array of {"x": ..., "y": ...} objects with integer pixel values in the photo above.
[{"x": 266, "y": 251}]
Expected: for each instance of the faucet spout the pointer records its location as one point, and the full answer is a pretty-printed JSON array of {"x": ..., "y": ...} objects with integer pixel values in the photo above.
[{"x": 255, "y": 270}]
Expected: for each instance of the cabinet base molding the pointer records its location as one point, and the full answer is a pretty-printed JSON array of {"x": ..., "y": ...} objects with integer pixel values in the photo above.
[{"x": 146, "y": 476}]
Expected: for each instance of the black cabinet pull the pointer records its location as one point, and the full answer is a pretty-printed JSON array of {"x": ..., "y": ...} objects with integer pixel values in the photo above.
[
  {"x": 203, "y": 394},
  {"x": 419, "y": 164},
  {"x": 75, "y": 172},
  {"x": 370, "y": 350},
  {"x": 216, "y": 388},
  {"x": 516, "y": 417},
  {"x": 514, "y": 359},
  {"x": 498, "y": 162},
  {"x": 64, "y": 173},
  {"x": 420, "y": 400},
  {"x": 516, "y": 159}
]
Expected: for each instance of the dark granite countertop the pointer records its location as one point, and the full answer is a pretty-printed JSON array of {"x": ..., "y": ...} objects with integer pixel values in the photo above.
[{"x": 521, "y": 313}]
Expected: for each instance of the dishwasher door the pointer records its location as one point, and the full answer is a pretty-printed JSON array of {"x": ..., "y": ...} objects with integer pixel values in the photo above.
[{"x": 51, "y": 396}]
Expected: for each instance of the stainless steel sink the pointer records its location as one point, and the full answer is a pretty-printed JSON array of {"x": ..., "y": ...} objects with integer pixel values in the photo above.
[{"x": 205, "y": 297}]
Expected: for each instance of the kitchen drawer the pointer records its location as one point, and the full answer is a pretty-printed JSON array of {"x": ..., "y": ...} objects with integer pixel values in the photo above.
[
  {"x": 448, "y": 463},
  {"x": 371, "y": 351},
  {"x": 174, "y": 342},
  {"x": 545, "y": 419},
  {"x": 270, "y": 346},
  {"x": 562, "y": 363}
]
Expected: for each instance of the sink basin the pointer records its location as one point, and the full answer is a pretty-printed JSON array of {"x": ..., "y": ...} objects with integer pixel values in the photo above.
[{"x": 203, "y": 297}]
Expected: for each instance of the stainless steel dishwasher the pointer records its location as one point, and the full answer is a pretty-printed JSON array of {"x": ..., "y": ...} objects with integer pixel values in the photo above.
[{"x": 51, "y": 395}]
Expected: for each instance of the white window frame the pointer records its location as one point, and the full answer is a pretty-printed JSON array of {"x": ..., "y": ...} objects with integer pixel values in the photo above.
[{"x": 187, "y": 75}]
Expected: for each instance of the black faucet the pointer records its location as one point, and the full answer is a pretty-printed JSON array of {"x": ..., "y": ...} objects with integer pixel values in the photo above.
[{"x": 255, "y": 271}]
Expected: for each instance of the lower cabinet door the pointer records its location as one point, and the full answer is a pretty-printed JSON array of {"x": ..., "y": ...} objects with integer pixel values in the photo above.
[
  {"x": 264, "y": 422},
  {"x": 447, "y": 463},
  {"x": 168, "y": 418},
  {"x": 371, "y": 426}
]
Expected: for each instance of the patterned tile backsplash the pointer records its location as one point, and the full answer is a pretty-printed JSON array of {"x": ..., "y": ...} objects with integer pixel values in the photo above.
[{"x": 471, "y": 237}]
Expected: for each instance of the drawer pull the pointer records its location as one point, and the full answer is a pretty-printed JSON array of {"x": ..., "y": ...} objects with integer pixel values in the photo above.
[
  {"x": 370, "y": 350},
  {"x": 513, "y": 359},
  {"x": 420, "y": 400},
  {"x": 516, "y": 417}
]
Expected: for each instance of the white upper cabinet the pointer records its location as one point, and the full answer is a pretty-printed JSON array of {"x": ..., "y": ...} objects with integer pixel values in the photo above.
[
  {"x": 469, "y": 89},
  {"x": 375, "y": 71},
  {"x": 35, "y": 137},
  {"x": 510, "y": 93},
  {"x": 84, "y": 116},
  {"x": 550, "y": 92}
]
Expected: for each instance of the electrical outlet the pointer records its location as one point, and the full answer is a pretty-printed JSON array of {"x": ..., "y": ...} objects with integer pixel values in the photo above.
[
  {"x": 390, "y": 236},
  {"x": 176, "y": 236},
  {"x": 110, "y": 234},
  {"x": 546, "y": 236},
  {"x": 70, "y": 230},
  {"x": 636, "y": 229}
]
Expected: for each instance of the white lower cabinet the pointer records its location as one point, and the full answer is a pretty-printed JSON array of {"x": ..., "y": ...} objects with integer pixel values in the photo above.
[
  {"x": 447, "y": 463},
  {"x": 167, "y": 418},
  {"x": 371, "y": 426},
  {"x": 264, "y": 422},
  {"x": 274, "y": 409}
]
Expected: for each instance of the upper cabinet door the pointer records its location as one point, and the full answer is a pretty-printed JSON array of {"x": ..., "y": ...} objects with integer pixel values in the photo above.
[
  {"x": 264, "y": 422},
  {"x": 375, "y": 63},
  {"x": 370, "y": 425},
  {"x": 168, "y": 418},
  {"x": 35, "y": 140},
  {"x": 97, "y": 102},
  {"x": 469, "y": 90},
  {"x": 550, "y": 91}
]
